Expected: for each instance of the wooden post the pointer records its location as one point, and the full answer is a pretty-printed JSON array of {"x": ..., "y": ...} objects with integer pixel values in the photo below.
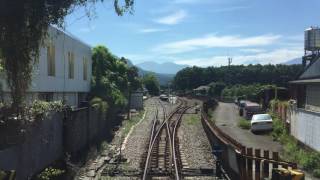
[
  {"x": 257, "y": 153},
  {"x": 249, "y": 163},
  {"x": 266, "y": 164},
  {"x": 275, "y": 156},
  {"x": 242, "y": 164}
]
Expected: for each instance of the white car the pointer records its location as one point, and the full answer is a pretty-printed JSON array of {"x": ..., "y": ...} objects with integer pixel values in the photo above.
[{"x": 261, "y": 122}]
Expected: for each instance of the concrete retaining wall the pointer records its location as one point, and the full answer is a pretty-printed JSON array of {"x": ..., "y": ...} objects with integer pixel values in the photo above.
[
  {"x": 43, "y": 145},
  {"x": 48, "y": 140}
]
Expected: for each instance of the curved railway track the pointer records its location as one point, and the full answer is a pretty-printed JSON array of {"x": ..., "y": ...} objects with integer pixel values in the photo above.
[{"x": 163, "y": 151}]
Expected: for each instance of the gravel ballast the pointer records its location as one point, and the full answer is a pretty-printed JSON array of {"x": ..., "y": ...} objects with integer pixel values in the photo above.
[
  {"x": 137, "y": 140},
  {"x": 193, "y": 142}
]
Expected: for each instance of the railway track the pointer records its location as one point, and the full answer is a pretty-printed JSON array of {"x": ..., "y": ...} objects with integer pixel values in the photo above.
[{"x": 163, "y": 157}]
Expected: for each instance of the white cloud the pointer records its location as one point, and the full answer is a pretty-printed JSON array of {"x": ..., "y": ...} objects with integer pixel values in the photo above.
[
  {"x": 272, "y": 57},
  {"x": 139, "y": 58},
  {"x": 252, "y": 50},
  {"x": 151, "y": 30},
  {"x": 172, "y": 19},
  {"x": 214, "y": 41}
]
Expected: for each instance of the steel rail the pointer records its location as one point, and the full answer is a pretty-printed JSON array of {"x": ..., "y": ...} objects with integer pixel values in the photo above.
[
  {"x": 178, "y": 121},
  {"x": 163, "y": 125}
]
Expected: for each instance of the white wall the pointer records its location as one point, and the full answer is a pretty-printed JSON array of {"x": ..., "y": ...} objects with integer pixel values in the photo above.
[
  {"x": 41, "y": 82},
  {"x": 305, "y": 126}
]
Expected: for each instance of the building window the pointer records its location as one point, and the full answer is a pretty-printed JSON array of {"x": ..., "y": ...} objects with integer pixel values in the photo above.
[
  {"x": 85, "y": 68},
  {"x": 71, "y": 65},
  {"x": 51, "y": 59}
]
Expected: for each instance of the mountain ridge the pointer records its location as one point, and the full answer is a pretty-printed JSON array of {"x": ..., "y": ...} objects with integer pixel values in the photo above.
[
  {"x": 163, "y": 78},
  {"x": 162, "y": 68}
]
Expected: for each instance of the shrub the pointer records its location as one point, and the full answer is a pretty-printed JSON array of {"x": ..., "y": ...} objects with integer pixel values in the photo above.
[
  {"x": 41, "y": 108},
  {"x": 311, "y": 161},
  {"x": 100, "y": 104},
  {"x": 278, "y": 129},
  {"x": 244, "y": 124},
  {"x": 316, "y": 173},
  {"x": 50, "y": 173}
]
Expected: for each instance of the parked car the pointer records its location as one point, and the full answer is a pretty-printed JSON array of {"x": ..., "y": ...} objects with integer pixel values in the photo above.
[
  {"x": 251, "y": 108},
  {"x": 164, "y": 97},
  {"x": 261, "y": 122}
]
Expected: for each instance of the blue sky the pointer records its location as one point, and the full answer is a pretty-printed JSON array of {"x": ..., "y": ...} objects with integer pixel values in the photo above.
[{"x": 200, "y": 32}]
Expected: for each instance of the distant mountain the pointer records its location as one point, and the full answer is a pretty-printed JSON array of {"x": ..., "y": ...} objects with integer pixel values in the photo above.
[
  {"x": 164, "y": 79},
  {"x": 294, "y": 61},
  {"x": 164, "y": 68}
]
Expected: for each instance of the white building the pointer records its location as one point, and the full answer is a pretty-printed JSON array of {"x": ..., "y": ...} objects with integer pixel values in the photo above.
[{"x": 63, "y": 71}]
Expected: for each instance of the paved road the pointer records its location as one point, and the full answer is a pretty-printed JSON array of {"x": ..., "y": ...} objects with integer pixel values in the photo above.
[{"x": 226, "y": 117}]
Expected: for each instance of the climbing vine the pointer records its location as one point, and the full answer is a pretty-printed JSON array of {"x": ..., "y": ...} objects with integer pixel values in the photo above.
[{"x": 23, "y": 26}]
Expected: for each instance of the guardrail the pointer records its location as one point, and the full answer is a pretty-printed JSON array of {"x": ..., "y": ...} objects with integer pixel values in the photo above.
[{"x": 238, "y": 161}]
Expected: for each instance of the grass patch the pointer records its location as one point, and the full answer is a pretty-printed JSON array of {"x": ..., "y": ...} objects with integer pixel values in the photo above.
[
  {"x": 211, "y": 114},
  {"x": 244, "y": 124},
  {"x": 309, "y": 160},
  {"x": 192, "y": 119},
  {"x": 128, "y": 124}
]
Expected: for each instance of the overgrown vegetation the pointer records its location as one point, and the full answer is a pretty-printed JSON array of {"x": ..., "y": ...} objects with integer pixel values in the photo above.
[
  {"x": 100, "y": 104},
  {"x": 112, "y": 78},
  {"x": 309, "y": 160},
  {"x": 244, "y": 124},
  {"x": 50, "y": 173},
  {"x": 40, "y": 109},
  {"x": 127, "y": 125},
  {"x": 216, "y": 88},
  {"x": 210, "y": 113},
  {"x": 250, "y": 92},
  {"x": 23, "y": 26},
  {"x": 193, "y": 119}
]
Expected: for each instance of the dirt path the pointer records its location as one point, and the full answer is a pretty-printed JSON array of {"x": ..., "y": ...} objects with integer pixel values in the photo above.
[{"x": 226, "y": 117}]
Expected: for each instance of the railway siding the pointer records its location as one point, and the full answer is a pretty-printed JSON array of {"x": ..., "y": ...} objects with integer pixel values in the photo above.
[{"x": 194, "y": 146}]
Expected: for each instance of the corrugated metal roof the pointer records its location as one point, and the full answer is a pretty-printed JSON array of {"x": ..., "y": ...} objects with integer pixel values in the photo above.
[
  {"x": 202, "y": 88},
  {"x": 312, "y": 71},
  {"x": 305, "y": 81},
  {"x": 70, "y": 35}
]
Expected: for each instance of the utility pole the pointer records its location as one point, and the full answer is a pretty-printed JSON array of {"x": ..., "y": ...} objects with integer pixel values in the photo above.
[{"x": 229, "y": 61}]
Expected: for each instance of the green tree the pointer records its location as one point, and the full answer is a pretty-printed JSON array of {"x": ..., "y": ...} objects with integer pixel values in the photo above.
[
  {"x": 152, "y": 84},
  {"x": 23, "y": 26},
  {"x": 192, "y": 77},
  {"x": 112, "y": 79},
  {"x": 108, "y": 77},
  {"x": 216, "y": 88}
]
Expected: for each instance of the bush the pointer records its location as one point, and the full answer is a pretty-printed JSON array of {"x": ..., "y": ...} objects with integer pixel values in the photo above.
[
  {"x": 316, "y": 173},
  {"x": 39, "y": 108},
  {"x": 309, "y": 160},
  {"x": 244, "y": 124},
  {"x": 278, "y": 129},
  {"x": 97, "y": 102},
  {"x": 50, "y": 173}
]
